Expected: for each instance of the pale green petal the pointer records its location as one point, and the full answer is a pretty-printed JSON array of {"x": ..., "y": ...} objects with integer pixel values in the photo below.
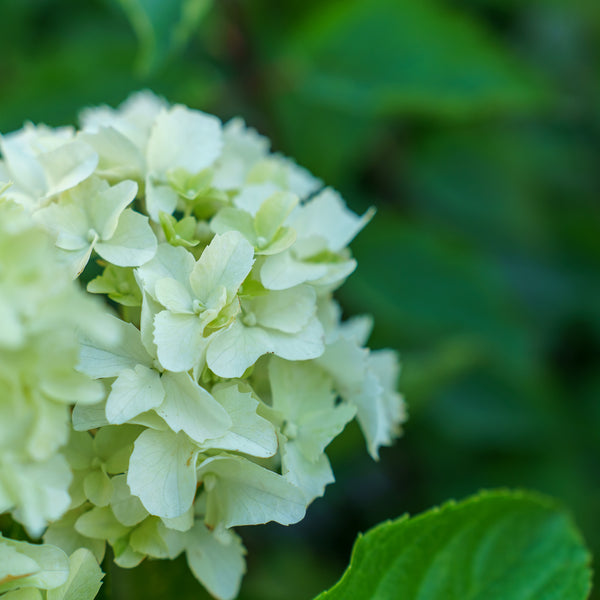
[
  {"x": 127, "y": 557},
  {"x": 249, "y": 433},
  {"x": 243, "y": 148},
  {"x": 306, "y": 344},
  {"x": 49, "y": 427},
  {"x": 62, "y": 533},
  {"x": 24, "y": 594},
  {"x": 31, "y": 565},
  {"x": 42, "y": 492},
  {"x": 240, "y": 492},
  {"x": 133, "y": 392},
  {"x": 359, "y": 329},
  {"x": 114, "y": 444},
  {"x": 252, "y": 196},
  {"x": 126, "y": 507},
  {"x": 327, "y": 216},
  {"x": 79, "y": 450},
  {"x": 225, "y": 262},
  {"x": 386, "y": 367},
  {"x": 106, "y": 205},
  {"x": 182, "y": 523},
  {"x": 173, "y": 538},
  {"x": 68, "y": 222},
  {"x": 89, "y": 417},
  {"x": 150, "y": 419},
  {"x": 24, "y": 168},
  {"x": 118, "y": 157},
  {"x": 159, "y": 198},
  {"x": 283, "y": 239},
  {"x": 371, "y": 414},
  {"x": 184, "y": 138},
  {"x": 231, "y": 351},
  {"x": 273, "y": 213},
  {"x": 100, "y": 524},
  {"x": 146, "y": 539},
  {"x": 304, "y": 395},
  {"x": 190, "y": 408},
  {"x": 286, "y": 310},
  {"x": 317, "y": 429},
  {"x": 12, "y": 331},
  {"x": 310, "y": 477},
  {"x": 150, "y": 308},
  {"x": 336, "y": 273},
  {"x": 217, "y": 562},
  {"x": 68, "y": 165},
  {"x": 234, "y": 219},
  {"x": 173, "y": 295},
  {"x": 97, "y": 359},
  {"x": 69, "y": 386},
  {"x": 162, "y": 472},
  {"x": 359, "y": 386},
  {"x": 179, "y": 342},
  {"x": 98, "y": 487},
  {"x": 282, "y": 271},
  {"x": 169, "y": 261},
  {"x": 133, "y": 242},
  {"x": 75, "y": 261},
  {"x": 15, "y": 567},
  {"x": 85, "y": 578}
]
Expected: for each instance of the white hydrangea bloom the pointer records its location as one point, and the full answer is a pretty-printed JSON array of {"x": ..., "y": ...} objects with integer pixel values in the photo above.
[
  {"x": 42, "y": 162},
  {"x": 208, "y": 401},
  {"x": 40, "y": 310}
]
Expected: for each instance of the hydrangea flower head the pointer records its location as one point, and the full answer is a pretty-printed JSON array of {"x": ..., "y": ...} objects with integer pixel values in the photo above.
[{"x": 207, "y": 399}]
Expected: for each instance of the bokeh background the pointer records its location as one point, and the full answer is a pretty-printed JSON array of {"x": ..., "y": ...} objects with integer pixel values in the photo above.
[{"x": 474, "y": 128}]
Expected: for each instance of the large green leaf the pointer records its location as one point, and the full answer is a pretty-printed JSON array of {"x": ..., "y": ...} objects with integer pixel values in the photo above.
[
  {"x": 494, "y": 546},
  {"x": 385, "y": 57}
]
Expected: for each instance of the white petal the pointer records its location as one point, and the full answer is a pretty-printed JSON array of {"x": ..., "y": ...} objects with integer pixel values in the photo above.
[
  {"x": 162, "y": 472},
  {"x": 126, "y": 507},
  {"x": 306, "y": 344},
  {"x": 190, "y": 408},
  {"x": 169, "y": 261},
  {"x": 286, "y": 310},
  {"x": 101, "y": 360},
  {"x": 327, "y": 216},
  {"x": 159, "y": 198},
  {"x": 85, "y": 578},
  {"x": 133, "y": 242},
  {"x": 106, "y": 205},
  {"x": 231, "y": 351},
  {"x": 173, "y": 295},
  {"x": 134, "y": 392},
  {"x": 282, "y": 271},
  {"x": 240, "y": 492},
  {"x": 253, "y": 195},
  {"x": 249, "y": 433},
  {"x": 225, "y": 262},
  {"x": 184, "y": 138},
  {"x": 36, "y": 565},
  {"x": 310, "y": 477},
  {"x": 217, "y": 562},
  {"x": 179, "y": 341},
  {"x": 68, "y": 165}
]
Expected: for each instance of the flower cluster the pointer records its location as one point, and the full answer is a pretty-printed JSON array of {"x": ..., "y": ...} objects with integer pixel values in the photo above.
[{"x": 206, "y": 401}]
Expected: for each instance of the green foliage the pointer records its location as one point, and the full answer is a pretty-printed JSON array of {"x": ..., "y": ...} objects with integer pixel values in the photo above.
[
  {"x": 162, "y": 27},
  {"x": 496, "y": 545},
  {"x": 459, "y": 71}
]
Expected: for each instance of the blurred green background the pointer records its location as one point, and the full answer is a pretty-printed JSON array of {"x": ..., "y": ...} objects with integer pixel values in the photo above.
[{"x": 474, "y": 127}]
